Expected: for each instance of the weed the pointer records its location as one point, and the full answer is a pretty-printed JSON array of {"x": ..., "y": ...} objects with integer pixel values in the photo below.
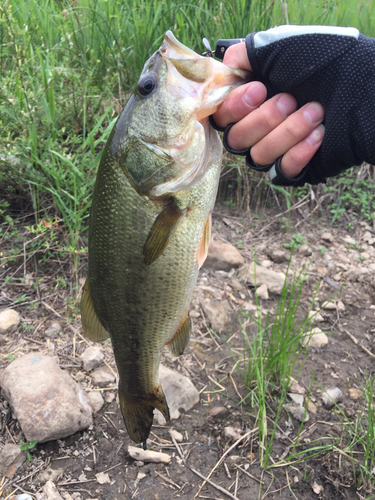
[
  {"x": 27, "y": 447},
  {"x": 296, "y": 241}
]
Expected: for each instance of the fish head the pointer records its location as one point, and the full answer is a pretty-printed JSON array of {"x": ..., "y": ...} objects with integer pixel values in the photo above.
[{"x": 162, "y": 138}]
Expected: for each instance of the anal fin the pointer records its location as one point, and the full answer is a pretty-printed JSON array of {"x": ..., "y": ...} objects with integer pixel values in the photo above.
[
  {"x": 162, "y": 230},
  {"x": 181, "y": 338},
  {"x": 205, "y": 242},
  {"x": 138, "y": 413},
  {"x": 91, "y": 324}
]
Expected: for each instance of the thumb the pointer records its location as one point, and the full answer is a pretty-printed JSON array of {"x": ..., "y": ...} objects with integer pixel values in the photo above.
[{"x": 236, "y": 57}]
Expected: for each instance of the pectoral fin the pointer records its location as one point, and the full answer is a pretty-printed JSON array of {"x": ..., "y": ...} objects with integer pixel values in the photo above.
[
  {"x": 205, "y": 242},
  {"x": 181, "y": 338},
  {"x": 91, "y": 324},
  {"x": 162, "y": 230}
]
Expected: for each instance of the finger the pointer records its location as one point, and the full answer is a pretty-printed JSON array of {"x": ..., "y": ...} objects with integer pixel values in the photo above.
[
  {"x": 236, "y": 57},
  {"x": 240, "y": 102},
  {"x": 263, "y": 120},
  {"x": 299, "y": 155},
  {"x": 289, "y": 133}
]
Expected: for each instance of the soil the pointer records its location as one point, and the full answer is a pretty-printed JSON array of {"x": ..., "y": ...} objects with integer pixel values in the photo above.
[{"x": 347, "y": 361}]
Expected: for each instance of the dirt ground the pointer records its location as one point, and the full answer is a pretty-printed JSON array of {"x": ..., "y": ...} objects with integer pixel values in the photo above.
[{"x": 345, "y": 362}]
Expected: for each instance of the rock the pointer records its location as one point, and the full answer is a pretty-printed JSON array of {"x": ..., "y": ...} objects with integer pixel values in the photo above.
[
  {"x": 53, "y": 331},
  {"x": 96, "y": 400},
  {"x": 91, "y": 358},
  {"x": 177, "y": 436},
  {"x": 331, "y": 306},
  {"x": 278, "y": 256},
  {"x": 159, "y": 417},
  {"x": 49, "y": 492},
  {"x": 23, "y": 496},
  {"x": 295, "y": 387},
  {"x": 109, "y": 397},
  {"x": 179, "y": 391},
  {"x": 355, "y": 394},
  {"x": 218, "y": 314},
  {"x": 365, "y": 255},
  {"x": 148, "y": 455},
  {"x": 273, "y": 280},
  {"x": 9, "y": 320},
  {"x": 79, "y": 376},
  {"x": 372, "y": 267},
  {"x": 316, "y": 337},
  {"x": 49, "y": 475},
  {"x": 223, "y": 256},
  {"x": 331, "y": 397},
  {"x": 11, "y": 459},
  {"x": 305, "y": 250},
  {"x": 102, "y": 377},
  {"x": 217, "y": 411},
  {"x": 328, "y": 237},
  {"x": 296, "y": 398},
  {"x": 236, "y": 285},
  {"x": 194, "y": 314},
  {"x": 298, "y": 412},
  {"x": 266, "y": 263},
  {"x": 262, "y": 292},
  {"x": 312, "y": 407},
  {"x": 367, "y": 236},
  {"x": 103, "y": 478},
  {"x": 316, "y": 316},
  {"x": 349, "y": 240},
  {"x": 47, "y": 402},
  {"x": 232, "y": 433},
  {"x": 340, "y": 306}
]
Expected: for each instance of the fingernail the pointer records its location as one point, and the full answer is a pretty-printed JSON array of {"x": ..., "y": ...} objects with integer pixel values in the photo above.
[
  {"x": 316, "y": 136},
  {"x": 254, "y": 95},
  {"x": 286, "y": 104},
  {"x": 314, "y": 112}
]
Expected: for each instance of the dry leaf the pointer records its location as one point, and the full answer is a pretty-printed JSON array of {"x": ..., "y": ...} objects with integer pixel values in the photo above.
[
  {"x": 102, "y": 478},
  {"x": 317, "y": 488}
]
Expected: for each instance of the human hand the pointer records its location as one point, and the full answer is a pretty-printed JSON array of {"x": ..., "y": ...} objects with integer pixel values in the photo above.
[{"x": 272, "y": 128}]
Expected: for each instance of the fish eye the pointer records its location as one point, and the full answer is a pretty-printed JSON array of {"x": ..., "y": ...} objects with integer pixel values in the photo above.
[{"x": 147, "y": 84}]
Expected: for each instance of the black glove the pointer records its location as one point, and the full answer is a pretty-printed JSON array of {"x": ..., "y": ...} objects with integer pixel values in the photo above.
[{"x": 334, "y": 66}]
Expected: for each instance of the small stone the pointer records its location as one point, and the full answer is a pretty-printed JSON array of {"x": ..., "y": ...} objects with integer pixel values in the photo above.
[
  {"x": 179, "y": 391},
  {"x": 365, "y": 255},
  {"x": 103, "y": 478},
  {"x": 232, "y": 433},
  {"x": 194, "y": 314},
  {"x": 332, "y": 396},
  {"x": 316, "y": 316},
  {"x": 222, "y": 256},
  {"x": 316, "y": 337},
  {"x": 148, "y": 455},
  {"x": 236, "y": 285},
  {"x": 349, "y": 240},
  {"x": 91, "y": 358},
  {"x": 49, "y": 474},
  {"x": 298, "y": 412},
  {"x": 176, "y": 435},
  {"x": 312, "y": 407},
  {"x": 47, "y": 402},
  {"x": 266, "y": 263},
  {"x": 217, "y": 411},
  {"x": 140, "y": 475},
  {"x": 159, "y": 417},
  {"x": 328, "y": 237},
  {"x": 234, "y": 459},
  {"x": 355, "y": 394},
  {"x": 278, "y": 256},
  {"x": 295, "y": 387},
  {"x": 53, "y": 331},
  {"x": 372, "y": 267},
  {"x": 305, "y": 250},
  {"x": 340, "y": 306},
  {"x": 109, "y": 397},
  {"x": 23, "y": 496},
  {"x": 9, "y": 320},
  {"x": 96, "y": 400},
  {"x": 102, "y": 377},
  {"x": 367, "y": 236},
  {"x": 317, "y": 488},
  {"x": 331, "y": 306},
  {"x": 273, "y": 280},
  {"x": 218, "y": 314},
  {"x": 262, "y": 292},
  {"x": 11, "y": 459},
  {"x": 139, "y": 463},
  {"x": 50, "y": 492},
  {"x": 296, "y": 398},
  {"x": 79, "y": 376}
]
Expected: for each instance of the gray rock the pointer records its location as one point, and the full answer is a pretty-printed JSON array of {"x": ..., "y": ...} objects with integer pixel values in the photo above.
[
  {"x": 11, "y": 459},
  {"x": 332, "y": 396},
  {"x": 91, "y": 358},
  {"x": 96, "y": 400},
  {"x": 218, "y": 314},
  {"x": 266, "y": 263},
  {"x": 49, "y": 492},
  {"x": 278, "y": 256},
  {"x": 47, "y": 402},
  {"x": 328, "y": 237},
  {"x": 262, "y": 292},
  {"x": 232, "y": 433},
  {"x": 49, "y": 474},
  {"x": 236, "y": 285},
  {"x": 179, "y": 391},
  {"x": 273, "y": 280},
  {"x": 305, "y": 250},
  {"x": 54, "y": 330},
  {"x": 297, "y": 412},
  {"x": 102, "y": 377},
  {"x": 223, "y": 256},
  {"x": 317, "y": 338},
  {"x": 9, "y": 320}
]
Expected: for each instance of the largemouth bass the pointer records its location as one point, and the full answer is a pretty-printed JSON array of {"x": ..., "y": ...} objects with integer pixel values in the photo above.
[{"x": 150, "y": 221}]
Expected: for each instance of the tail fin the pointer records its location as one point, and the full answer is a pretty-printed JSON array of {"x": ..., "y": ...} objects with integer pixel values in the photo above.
[{"x": 138, "y": 414}]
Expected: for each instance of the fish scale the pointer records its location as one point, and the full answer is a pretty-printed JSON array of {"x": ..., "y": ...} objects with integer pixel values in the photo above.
[{"x": 145, "y": 250}]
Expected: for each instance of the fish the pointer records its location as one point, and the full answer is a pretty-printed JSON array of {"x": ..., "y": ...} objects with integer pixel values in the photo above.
[{"x": 150, "y": 221}]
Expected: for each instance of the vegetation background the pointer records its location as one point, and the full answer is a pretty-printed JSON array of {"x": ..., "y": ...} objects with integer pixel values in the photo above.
[{"x": 66, "y": 71}]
